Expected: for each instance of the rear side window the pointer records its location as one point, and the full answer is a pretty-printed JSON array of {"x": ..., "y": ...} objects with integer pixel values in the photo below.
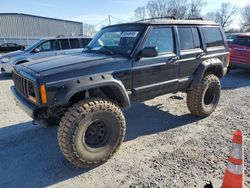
[
  {"x": 65, "y": 44},
  {"x": 213, "y": 36},
  {"x": 162, "y": 38},
  {"x": 242, "y": 40},
  {"x": 84, "y": 42},
  {"x": 49, "y": 45},
  {"x": 189, "y": 38},
  {"x": 74, "y": 43}
]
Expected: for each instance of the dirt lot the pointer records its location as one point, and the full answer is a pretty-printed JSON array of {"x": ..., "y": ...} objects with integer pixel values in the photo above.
[{"x": 165, "y": 146}]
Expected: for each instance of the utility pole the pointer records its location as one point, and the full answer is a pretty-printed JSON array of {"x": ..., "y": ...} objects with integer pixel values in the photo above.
[{"x": 109, "y": 18}]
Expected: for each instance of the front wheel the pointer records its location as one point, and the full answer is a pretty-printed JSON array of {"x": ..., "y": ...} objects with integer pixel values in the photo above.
[
  {"x": 203, "y": 99},
  {"x": 91, "y": 132}
]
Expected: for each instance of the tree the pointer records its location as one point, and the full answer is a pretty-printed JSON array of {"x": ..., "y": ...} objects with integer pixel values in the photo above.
[
  {"x": 211, "y": 16},
  {"x": 180, "y": 9},
  {"x": 89, "y": 30},
  {"x": 226, "y": 13},
  {"x": 141, "y": 13},
  {"x": 246, "y": 18},
  {"x": 157, "y": 8},
  {"x": 195, "y": 8}
]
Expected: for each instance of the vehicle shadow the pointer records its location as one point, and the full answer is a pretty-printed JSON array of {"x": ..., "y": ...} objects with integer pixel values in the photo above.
[
  {"x": 236, "y": 79},
  {"x": 30, "y": 156},
  {"x": 5, "y": 76},
  {"x": 145, "y": 120}
]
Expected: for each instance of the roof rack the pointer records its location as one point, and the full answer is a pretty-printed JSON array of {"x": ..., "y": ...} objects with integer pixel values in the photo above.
[
  {"x": 199, "y": 18},
  {"x": 158, "y": 18},
  {"x": 59, "y": 36}
]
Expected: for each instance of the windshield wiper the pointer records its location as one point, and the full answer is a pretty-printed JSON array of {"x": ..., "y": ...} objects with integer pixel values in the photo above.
[
  {"x": 106, "y": 49},
  {"x": 87, "y": 49}
]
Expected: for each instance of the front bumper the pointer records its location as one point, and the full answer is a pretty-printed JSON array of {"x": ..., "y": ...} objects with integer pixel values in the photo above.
[{"x": 23, "y": 103}]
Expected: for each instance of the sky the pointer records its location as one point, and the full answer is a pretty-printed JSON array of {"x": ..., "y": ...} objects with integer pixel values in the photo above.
[{"x": 91, "y": 12}]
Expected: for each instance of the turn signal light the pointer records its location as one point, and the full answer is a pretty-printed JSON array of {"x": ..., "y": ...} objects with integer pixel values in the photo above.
[{"x": 43, "y": 94}]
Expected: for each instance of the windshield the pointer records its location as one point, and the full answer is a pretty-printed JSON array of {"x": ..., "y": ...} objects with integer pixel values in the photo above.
[
  {"x": 32, "y": 46},
  {"x": 116, "y": 40}
]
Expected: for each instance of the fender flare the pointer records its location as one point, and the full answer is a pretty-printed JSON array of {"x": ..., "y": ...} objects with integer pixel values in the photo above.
[
  {"x": 65, "y": 89},
  {"x": 203, "y": 67}
]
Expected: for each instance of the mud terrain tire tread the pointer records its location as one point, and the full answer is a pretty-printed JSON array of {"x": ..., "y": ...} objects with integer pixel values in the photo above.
[
  {"x": 68, "y": 128},
  {"x": 195, "y": 96}
]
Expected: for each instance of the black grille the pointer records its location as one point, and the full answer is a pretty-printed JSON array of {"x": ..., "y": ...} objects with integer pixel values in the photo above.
[{"x": 23, "y": 85}]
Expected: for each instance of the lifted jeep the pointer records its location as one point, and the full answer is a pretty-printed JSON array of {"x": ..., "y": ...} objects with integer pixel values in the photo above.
[{"x": 85, "y": 92}]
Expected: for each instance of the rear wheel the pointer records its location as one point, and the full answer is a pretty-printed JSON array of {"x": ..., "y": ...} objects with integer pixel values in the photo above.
[
  {"x": 203, "y": 99},
  {"x": 91, "y": 132}
]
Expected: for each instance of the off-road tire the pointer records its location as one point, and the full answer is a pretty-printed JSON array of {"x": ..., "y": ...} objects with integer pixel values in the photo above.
[
  {"x": 74, "y": 128},
  {"x": 199, "y": 100}
]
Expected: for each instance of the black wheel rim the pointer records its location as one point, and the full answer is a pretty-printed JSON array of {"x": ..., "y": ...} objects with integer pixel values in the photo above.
[
  {"x": 96, "y": 134},
  {"x": 210, "y": 95}
]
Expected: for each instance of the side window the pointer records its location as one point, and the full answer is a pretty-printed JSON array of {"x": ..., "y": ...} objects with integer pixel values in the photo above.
[
  {"x": 74, "y": 43},
  {"x": 189, "y": 38},
  {"x": 84, "y": 42},
  {"x": 65, "y": 44},
  {"x": 48, "y": 46},
  {"x": 213, "y": 36},
  {"x": 162, "y": 38},
  {"x": 242, "y": 40},
  {"x": 186, "y": 38}
]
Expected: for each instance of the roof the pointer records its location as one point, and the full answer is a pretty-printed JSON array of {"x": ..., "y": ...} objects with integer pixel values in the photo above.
[
  {"x": 171, "y": 22},
  {"x": 244, "y": 34},
  {"x": 29, "y": 15}
]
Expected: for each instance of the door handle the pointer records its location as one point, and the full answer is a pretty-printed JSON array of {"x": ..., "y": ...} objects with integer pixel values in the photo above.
[
  {"x": 200, "y": 55},
  {"x": 173, "y": 60}
]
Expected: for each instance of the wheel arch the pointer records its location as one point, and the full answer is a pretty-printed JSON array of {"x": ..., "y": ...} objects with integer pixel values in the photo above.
[
  {"x": 89, "y": 87},
  {"x": 111, "y": 92},
  {"x": 213, "y": 66}
]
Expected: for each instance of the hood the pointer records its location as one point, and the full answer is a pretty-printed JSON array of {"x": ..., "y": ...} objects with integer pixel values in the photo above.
[
  {"x": 12, "y": 54},
  {"x": 74, "y": 64}
]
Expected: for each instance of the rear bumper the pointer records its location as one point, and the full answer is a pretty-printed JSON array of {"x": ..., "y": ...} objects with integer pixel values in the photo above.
[
  {"x": 21, "y": 102},
  {"x": 239, "y": 65}
]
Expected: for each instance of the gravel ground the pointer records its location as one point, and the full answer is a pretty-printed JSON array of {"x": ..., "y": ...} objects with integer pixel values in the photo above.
[{"x": 165, "y": 146}]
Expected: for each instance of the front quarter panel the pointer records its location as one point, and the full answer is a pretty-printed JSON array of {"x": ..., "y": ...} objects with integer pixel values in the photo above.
[{"x": 59, "y": 93}]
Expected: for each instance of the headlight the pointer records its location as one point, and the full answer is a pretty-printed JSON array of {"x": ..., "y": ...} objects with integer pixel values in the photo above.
[{"x": 5, "y": 59}]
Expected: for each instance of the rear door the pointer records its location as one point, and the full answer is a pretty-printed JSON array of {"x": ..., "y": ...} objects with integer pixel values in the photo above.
[
  {"x": 240, "y": 49},
  {"x": 191, "y": 54}
]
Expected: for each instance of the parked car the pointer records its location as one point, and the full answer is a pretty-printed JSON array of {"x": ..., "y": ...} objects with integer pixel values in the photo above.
[
  {"x": 44, "y": 48},
  {"x": 230, "y": 37},
  {"x": 10, "y": 47},
  {"x": 123, "y": 64},
  {"x": 240, "y": 52}
]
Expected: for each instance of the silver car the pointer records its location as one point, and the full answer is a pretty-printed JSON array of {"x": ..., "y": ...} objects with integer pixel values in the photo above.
[{"x": 44, "y": 48}]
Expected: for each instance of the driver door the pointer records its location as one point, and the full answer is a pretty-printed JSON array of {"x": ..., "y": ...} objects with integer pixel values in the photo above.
[
  {"x": 46, "y": 49},
  {"x": 157, "y": 75}
]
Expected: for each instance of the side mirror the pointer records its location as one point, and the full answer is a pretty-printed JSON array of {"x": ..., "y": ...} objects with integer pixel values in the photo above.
[
  {"x": 149, "y": 52},
  {"x": 37, "y": 50}
]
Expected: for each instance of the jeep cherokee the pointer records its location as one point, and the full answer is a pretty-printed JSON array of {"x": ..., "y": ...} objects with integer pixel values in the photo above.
[{"x": 124, "y": 63}]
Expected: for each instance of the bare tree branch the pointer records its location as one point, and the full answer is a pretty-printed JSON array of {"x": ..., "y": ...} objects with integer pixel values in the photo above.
[
  {"x": 246, "y": 17},
  {"x": 195, "y": 8},
  {"x": 225, "y": 15},
  {"x": 141, "y": 13}
]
